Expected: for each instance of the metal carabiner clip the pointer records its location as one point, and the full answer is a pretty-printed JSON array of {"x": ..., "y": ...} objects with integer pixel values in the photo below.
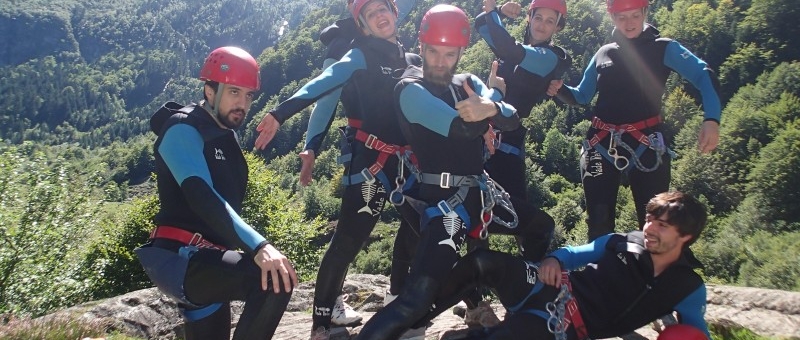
[{"x": 612, "y": 151}]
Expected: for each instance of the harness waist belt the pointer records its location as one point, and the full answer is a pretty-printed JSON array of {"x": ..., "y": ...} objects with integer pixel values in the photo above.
[
  {"x": 183, "y": 236},
  {"x": 631, "y": 128},
  {"x": 573, "y": 315},
  {"x": 446, "y": 180}
]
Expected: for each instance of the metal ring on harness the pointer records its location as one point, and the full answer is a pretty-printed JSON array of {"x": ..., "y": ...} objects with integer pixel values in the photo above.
[
  {"x": 396, "y": 196},
  {"x": 557, "y": 310},
  {"x": 616, "y": 138}
]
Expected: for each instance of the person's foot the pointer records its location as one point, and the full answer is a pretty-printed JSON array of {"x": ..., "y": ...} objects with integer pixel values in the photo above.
[
  {"x": 320, "y": 333},
  {"x": 481, "y": 316},
  {"x": 343, "y": 314}
]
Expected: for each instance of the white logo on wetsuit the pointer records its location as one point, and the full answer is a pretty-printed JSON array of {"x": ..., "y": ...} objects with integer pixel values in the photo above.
[
  {"x": 531, "y": 271},
  {"x": 386, "y": 70},
  {"x": 218, "y": 154},
  {"x": 621, "y": 256},
  {"x": 322, "y": 311}
]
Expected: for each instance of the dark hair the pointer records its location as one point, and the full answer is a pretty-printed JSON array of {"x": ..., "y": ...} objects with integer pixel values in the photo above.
[
  {"x": 214, "y": 85},
  {"x": 681, "y": 210}
]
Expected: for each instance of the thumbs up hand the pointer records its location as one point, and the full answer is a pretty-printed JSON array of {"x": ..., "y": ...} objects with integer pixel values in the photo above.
[
  {"x": 475, "y": 108},
  {"x": 495, "y": 81}
]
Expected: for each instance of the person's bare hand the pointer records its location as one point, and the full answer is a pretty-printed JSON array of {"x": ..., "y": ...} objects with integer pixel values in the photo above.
[
  {"x": 308, "y": 158},
  {"x": 709, "y": 136},
  {"x": 274, "y": 264},
  {"x": 489, "y": 5},
  {"x": 475, "y": 108},
  {"x": 266, "y": 131},
  {"x": 550, "y": 272},
  {"x": 495, "y": 81},
  {"x": 554, "y": 86},
  {"x": 511, "y": 9}
]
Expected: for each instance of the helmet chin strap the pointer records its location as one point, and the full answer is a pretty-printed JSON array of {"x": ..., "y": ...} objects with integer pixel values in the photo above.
[{"x": 213, "y": 110}]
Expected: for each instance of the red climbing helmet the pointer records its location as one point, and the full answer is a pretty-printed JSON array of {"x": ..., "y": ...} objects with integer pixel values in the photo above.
[
  {"x": 681, "y": 332},
  {"x": 616, "y": 6},
  {"x": 358, "y": 5},
  {"x": 445, "y": 25},
  {"x": 559, "y": 6},
  {"x": 233, "y": 66}
]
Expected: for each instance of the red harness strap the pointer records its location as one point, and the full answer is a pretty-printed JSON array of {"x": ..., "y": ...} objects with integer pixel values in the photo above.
[
  {"x": 385, "y": 149},
  {"x": 573, "y": 315},
  {"x": 632, "y": 128},
  {"x": 183, "y": 236},
  {"x": 356, "y": 123}
]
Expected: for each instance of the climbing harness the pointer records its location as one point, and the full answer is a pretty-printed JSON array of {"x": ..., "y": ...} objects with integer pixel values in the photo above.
[
  {"x": 622, "y": 163},
  {"x": 492, "y": 194},
  {"x": 375, "y": 171},
  {"x": 563, "y": 311}
]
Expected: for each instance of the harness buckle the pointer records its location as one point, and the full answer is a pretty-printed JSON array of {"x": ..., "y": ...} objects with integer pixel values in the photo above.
[
  {"x": 370, "y": 140},
  {"x": 445, "y": 208},
  {"x": 368, "y": 177},
  {"x": 444, "y": 180},
  {"x": 196, "y": 239}
]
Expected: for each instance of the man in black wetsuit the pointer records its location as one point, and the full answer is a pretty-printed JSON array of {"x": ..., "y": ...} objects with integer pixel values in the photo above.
[
  {"x": 366, "y": 75},
  {"x": 443, "y": 116},
  {"x": 202, "y": 177},
  {"x": 626, "y": 280}
]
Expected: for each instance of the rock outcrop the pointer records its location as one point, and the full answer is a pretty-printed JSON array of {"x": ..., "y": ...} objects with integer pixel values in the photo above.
[{"x": 148, "y": 314}]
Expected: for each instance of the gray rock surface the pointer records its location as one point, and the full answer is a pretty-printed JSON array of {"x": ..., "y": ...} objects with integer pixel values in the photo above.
[{"x": 148, "y": 314}]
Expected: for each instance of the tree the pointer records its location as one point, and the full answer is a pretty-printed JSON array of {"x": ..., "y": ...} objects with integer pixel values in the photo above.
[{"x": 775, "y": 177}]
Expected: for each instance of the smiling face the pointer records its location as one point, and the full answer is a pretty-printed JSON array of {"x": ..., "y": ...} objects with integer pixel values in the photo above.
[
  {"x": 630, "y": 23},
  {"x": 662, "y": 238},
  {"x": 379, "y": 20},
  {"x": 233, "y": 104},
  {"x": 543, "y": 24}
]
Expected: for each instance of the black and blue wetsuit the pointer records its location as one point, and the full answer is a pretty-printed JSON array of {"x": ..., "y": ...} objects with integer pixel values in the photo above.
[
  {"x": 527, "y": 71},
  {"x": 366, "y": 75},
  {"x": 450, "y": 151},
  {"x": 202, "y": 177},
  {"x": 629, "y": 77},
  {"x": 616, "y": 291},
  {"x": 338, "y": 38}
]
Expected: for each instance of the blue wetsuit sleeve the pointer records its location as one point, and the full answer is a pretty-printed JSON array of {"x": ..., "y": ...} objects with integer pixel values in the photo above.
[
  {"x": 419, "y": 106},
  {"x": 696, "y": 71},
  {"x": 181, "y": 149},
  {"x": 586, "y": 89},
  {"x": 506, "y": 118},
  {"x": 506, "y": 110},
  {"x": 321, "y": 116},
  {"x": 332, "y": 78},
  {"x": 404, "y": 7},
  {"x": 537, "y": 60},
  {"x": 578, "y": 256},
  {"x": 692, "y": 310}
]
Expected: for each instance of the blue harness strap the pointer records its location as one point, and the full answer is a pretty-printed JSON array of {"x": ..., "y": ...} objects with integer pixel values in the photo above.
[
  {"x": 200, "y": 313},
  {"x": 451, "y": 207},
  {"x": 511, "y": 150}
]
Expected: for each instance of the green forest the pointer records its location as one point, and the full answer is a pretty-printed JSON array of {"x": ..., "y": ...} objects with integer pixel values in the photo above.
[{"x": 79, "y": 80}]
